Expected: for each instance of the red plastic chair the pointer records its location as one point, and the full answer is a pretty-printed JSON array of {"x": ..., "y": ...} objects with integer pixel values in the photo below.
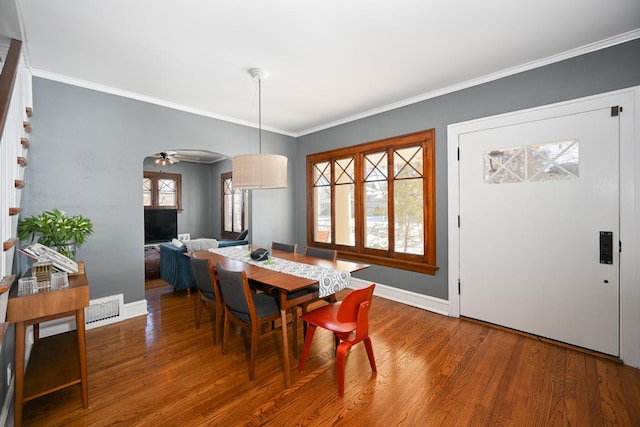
[{"x": 349, "y": 321}]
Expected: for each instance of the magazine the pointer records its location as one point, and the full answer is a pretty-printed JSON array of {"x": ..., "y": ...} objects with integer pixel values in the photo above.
[{"x": 59, "y": 261}]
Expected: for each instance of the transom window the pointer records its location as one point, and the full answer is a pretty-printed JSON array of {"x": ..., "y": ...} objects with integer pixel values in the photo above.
[
  {"x": 375, "y": 202},
  {"x": 235, "y": 208},
  {"x": 162, "y": 190}
]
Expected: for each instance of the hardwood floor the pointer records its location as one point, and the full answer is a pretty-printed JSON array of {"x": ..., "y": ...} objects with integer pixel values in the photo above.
[{"x": 432, "y": 371}]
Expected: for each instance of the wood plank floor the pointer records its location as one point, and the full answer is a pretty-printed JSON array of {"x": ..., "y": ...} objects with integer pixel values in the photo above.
[{"x": 432, "y": 371}]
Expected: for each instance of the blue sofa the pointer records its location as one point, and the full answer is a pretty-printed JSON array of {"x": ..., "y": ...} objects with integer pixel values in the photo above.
[{"x": 175, "y": 267}]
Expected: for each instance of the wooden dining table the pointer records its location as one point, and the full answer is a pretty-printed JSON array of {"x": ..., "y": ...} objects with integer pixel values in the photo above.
[{"x": 283, "y": 283}]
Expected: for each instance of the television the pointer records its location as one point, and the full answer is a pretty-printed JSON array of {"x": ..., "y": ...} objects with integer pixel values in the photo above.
[{"x": 160, "y": 225}]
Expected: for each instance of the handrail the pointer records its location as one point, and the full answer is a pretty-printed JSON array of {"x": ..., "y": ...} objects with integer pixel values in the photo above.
[{"x": 8, "y": 78}]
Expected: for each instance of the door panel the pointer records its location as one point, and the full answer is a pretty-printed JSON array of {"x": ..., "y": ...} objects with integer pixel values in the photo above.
[{"x": 533, "y": 199}]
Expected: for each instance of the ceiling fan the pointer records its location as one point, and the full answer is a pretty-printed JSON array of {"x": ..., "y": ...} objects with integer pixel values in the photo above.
[
  {"x": 189, "y": 156},
  {"x": 166, "y": 157}
]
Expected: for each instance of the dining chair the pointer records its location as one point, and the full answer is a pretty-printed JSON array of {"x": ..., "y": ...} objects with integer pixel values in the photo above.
[
  {"x": 311, "y": 294},
  {"x": 251, "y": 311},
  {"x": 208, "y": 293},
  {"x": 286, "y": 247},
  {"x": 331, "y": 254},
  {"x": 349, "y": 321}
]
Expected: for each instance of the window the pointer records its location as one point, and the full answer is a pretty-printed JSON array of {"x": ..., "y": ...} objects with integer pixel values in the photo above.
[
  {"x": 375, "y": 202},
  {"x": 235, "y": 208},
  {"x": 162, "y": 190}
]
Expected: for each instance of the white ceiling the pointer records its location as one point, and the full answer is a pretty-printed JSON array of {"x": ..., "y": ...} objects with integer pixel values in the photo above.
[{"x": 330, "y": 61}]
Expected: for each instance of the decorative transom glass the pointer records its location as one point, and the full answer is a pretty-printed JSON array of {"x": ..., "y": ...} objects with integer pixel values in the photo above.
[
  {"x": 321, "y": 174},
  {"x": 407, "y": 163},
  {"x": 552, "y": 161},
  {"x": 344, "y": 171},
  {"x": 166, "y": 192},
  {"x": 146, "y": 191}
]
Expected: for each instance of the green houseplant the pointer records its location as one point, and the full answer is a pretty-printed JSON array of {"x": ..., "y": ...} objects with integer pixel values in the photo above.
[{"x": 56, "y": 230}]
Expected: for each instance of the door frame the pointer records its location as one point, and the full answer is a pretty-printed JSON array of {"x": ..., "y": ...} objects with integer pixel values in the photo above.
[{"x": 629, "y": 200}]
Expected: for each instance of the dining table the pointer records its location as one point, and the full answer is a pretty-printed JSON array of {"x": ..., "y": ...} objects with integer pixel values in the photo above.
[{"x": 283, "y": 284}]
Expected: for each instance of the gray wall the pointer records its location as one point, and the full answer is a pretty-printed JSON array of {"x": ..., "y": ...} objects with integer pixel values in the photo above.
[
  {"x": 86, "y": 157},
  {"x": 605, "y": 70},
  {"x": 88, "y": 148}
]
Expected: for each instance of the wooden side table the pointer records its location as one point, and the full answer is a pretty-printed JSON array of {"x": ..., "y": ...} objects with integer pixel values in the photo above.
[{"x": 57, "y": 361}]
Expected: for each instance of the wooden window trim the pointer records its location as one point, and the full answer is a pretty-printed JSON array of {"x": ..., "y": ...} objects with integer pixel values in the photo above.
[
  {"x": 229, "y": 234},
  {"x": 421, "y": 263},
  {"x": 155, "y": 177}
]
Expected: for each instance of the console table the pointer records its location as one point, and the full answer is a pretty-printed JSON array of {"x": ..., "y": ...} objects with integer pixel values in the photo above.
[{"x": 57, "y": 361}]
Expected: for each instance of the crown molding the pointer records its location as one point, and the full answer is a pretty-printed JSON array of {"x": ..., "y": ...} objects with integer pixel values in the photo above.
[
  {"x": 612, "y": 41},
  {"x": 603, "y": 44},
  {"x": 36, "y": 72}
]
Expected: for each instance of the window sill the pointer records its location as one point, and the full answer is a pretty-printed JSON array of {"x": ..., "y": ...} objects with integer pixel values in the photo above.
[{"x": 390, "y": 262}]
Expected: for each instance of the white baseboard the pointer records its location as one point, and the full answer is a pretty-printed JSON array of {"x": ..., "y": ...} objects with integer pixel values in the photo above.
[
  {"x": 139, "y": 308},
  {"x": 7, "y": 405},
  {"x": 135, "y": 309},
  {"x": 413, "y": 299},
  {"x": 65, "y": 324}
]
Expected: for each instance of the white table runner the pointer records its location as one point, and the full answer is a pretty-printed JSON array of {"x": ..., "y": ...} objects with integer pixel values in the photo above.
[{"x": 330, "y": 281}]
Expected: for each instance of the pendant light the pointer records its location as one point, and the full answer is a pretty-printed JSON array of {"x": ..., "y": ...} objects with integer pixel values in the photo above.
[{"x": 259, "y": 171}]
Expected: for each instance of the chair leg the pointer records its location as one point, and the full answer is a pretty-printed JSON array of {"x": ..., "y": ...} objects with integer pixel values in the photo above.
[
  {"x": 304, "y": 310},
  {"x": 294, "y": 324},
  {"x": 225, "y": 334},
  {"x": 218, "y": 324},
  {"x": 369, "y": 347},
  {"x": 199, "y": 313},
  {"x": 254, "y": 350},
  {"x": 307, "y": 345},
  {"x": 341, "y": 361}
]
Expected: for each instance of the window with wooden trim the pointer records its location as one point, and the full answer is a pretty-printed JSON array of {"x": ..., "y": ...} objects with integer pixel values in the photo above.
[
  {"x": 162, "y": 190},
  {"x": 375, "y": 202},
  {"x": 235, "y": 208}
]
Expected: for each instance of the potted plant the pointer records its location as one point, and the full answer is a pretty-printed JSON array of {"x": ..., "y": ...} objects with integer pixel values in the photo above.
[{"x": 56, "y": 230}]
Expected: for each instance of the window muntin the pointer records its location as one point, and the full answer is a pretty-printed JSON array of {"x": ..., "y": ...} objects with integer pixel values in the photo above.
[
  {"x": 377, "y": 201},
  {"x": 162, "y": 190}
]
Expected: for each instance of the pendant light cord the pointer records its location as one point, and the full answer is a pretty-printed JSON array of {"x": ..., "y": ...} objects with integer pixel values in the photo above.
[{"x": 260, "y": 115}]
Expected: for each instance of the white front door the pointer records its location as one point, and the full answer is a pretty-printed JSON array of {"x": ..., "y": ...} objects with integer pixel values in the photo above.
[{"x": 534, "y": 198}]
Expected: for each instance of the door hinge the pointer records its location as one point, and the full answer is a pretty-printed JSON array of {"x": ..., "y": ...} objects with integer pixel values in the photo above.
[
  {"x": 458, "y": 221},
  {"x": 458, "y": 286},
  {"x": 616, "y": 110},
  {"x": 620, "y": 246},
  {"x": 458, "y": 153}
]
